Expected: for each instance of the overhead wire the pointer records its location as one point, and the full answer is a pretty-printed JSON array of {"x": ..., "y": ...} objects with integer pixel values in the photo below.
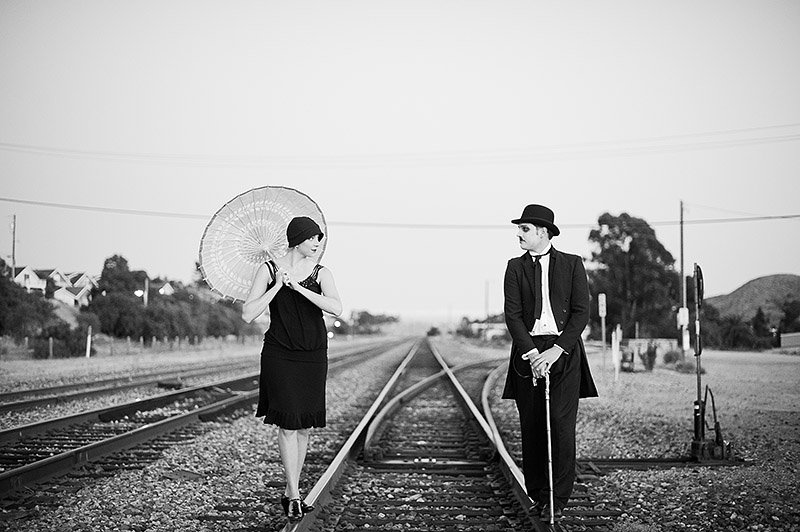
[
  {"x": 729, "y": 138},
  {"x": 387, "y": 225}
]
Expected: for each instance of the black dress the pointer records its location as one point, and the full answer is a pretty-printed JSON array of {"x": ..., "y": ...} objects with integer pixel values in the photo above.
[{"x": 294, "y": 359}]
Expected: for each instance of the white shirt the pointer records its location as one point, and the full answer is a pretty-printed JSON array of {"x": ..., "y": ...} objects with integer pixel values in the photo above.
[{"x": 546, "y": 324}]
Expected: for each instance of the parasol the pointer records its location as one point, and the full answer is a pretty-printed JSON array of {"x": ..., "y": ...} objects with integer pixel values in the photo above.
[{"x": 247, "y": 231}]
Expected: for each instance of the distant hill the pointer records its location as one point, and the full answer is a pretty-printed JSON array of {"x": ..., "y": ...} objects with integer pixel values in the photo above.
[{"x": 765, "y": 292}]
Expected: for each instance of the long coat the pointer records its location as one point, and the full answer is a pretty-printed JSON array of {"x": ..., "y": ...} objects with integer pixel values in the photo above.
[{"x": 569, "y": 299}]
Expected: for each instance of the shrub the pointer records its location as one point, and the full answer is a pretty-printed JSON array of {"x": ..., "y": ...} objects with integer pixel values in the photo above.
[
  {"x": 672, "y": 356},
  {"x": 688, "y": 366},
  {"x": 66, "y": 342}
]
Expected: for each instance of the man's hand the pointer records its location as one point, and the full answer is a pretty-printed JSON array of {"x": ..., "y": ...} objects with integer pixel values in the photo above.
[{"x": 542, "y": 362}]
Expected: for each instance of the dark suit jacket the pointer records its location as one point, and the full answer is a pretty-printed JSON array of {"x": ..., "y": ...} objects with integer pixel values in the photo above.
[{"x": 569, "y": 299}]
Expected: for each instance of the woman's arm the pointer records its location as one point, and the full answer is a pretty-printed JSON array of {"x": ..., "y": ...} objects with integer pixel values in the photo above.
[
  {"x": 259, "y": 297},
  {"x": 329, "y": 299}
]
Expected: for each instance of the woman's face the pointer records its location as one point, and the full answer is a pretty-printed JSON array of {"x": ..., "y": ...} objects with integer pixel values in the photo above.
[{"x": 309, "y": 246}]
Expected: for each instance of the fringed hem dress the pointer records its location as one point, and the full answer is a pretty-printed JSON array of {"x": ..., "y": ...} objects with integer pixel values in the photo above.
[{"x": 294, "y": 359}]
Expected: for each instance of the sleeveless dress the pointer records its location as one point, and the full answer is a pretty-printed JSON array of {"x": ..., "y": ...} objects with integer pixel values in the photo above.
[{"x": 294, "y": 359}]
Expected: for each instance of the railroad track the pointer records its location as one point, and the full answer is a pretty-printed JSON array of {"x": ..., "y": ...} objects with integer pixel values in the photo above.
[
  {"x": 37, "y": 452},
  {"x": 431, "y": 458},
  {"x": 422, "y": 460},
  {"x": 24, "y": 399},
  {"x": 173, "y": 377}
]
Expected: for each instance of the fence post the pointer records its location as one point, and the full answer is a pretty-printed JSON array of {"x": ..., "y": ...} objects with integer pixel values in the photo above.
[
  {"x": 129, "y": 345},
  {"x": 50, "y": 347},
  {"x": 89, "y": 342}
]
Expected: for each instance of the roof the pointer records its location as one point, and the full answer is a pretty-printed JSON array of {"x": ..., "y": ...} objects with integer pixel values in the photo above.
[{"x": 74, "y": 290}]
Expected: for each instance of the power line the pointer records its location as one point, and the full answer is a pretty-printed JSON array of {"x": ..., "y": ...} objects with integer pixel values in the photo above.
[
  {"x": 729, "y": 138},
  {"x": 389, "y": 225}
]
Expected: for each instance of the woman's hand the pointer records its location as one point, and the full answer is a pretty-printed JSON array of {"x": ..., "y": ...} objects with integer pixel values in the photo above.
[{"x": 287, "y": 279}]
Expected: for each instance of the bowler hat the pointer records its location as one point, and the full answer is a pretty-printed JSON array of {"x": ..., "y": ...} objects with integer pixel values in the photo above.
[
  {"x": 538, "y": 215},
  {"x": 300, "y": 229}
]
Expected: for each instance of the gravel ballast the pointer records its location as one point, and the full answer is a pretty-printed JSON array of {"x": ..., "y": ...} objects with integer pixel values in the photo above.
[{"x": 230, "y": 477}]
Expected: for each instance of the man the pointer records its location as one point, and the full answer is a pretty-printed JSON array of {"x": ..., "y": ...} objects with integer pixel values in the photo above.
[{"x": 546, "y": 310}]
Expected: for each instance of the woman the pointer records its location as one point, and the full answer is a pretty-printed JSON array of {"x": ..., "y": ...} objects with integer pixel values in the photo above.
[{"x": 294, "y": 359}]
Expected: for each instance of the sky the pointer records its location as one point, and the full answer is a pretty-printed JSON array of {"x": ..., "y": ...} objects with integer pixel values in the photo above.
[{"x": 420, "y": 128}]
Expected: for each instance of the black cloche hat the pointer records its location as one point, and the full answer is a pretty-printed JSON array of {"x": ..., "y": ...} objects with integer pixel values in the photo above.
[
  {"x": 300, "y": 229},
  {"x": 538, "y": 215}
]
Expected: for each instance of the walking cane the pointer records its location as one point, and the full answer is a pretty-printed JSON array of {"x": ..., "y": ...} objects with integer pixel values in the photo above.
[{"x": 549, "y": 443}]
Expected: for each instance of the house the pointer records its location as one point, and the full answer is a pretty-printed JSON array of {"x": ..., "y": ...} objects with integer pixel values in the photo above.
[
  {"x": 81, "y": 279},
  {"x": 166, "y": 289},
  {"x": 74, "y": 289},
  {"x": 73, "y": 295},
  {"x": 59, "y": 278},
  {"x": 27, "y": 278}
]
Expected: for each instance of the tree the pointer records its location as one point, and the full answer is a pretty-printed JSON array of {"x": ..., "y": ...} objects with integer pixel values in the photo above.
[
  {"x": 117, "y": 277},
  {"x": 736, "y": 332},
  {"x": 120, "y": 314},
  {"x": 21, "y": 313},
  {"x": 760, "y": 325},
  {"x": 637, "y": 274},
  {"x": 366, "y": 323},
  {"x": 791, "y": 316}
]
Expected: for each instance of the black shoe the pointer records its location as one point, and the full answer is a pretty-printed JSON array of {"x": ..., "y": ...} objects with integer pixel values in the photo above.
[
  {"x": 285, "y": 504},
  {"x": 307, "y": 508},
  {"x": 295, "y": 510},
  {"x": 545, "y": 515}
]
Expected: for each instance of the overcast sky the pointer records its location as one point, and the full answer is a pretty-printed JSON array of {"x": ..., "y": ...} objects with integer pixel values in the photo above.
[{"x": 432, "y": 112}]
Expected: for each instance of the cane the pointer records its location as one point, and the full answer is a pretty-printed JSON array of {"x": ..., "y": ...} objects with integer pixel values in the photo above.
[{"x": 549, "y": 443}]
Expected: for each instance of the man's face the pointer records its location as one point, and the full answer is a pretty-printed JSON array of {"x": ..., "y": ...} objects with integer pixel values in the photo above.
[{"x": 531, "y": 237}]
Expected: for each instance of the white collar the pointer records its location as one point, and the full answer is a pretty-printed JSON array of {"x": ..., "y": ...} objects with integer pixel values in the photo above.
[{"x": 545, "y": 252}]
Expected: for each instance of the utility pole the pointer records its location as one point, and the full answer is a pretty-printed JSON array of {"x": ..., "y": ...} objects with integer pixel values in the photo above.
[
  {"x": 13, "y": 246},
  {"x": 486, "y": 299}
]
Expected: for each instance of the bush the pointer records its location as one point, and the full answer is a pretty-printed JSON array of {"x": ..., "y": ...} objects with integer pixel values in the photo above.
[
  {"x": 434, "y": 331},
  {"x": 67, "y": 342},
  {"x": 672, "y": 356},
  {"x": 688, "y": 366}
]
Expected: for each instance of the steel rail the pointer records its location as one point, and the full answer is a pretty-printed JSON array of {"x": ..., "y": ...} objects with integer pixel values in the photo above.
[
  {"x": 52, "y": 466},
  {"x": 377, "y": 425},
  {"x": 109, "y": 413},
  {"x": 49, "y": 467},
  {"x": 5, "y": 397},
  {"x": 508, "y": 466},
  {"x": 320, "y": 493},
  {"x": 133, "y": 381},
  {"x": 38, "y": 401},
  {"x": 17, "y": 433},
  {"x": 463, "y": 393}
]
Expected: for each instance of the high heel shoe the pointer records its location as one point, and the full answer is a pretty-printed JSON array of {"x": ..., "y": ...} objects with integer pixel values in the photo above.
[
  {"x": 285, "y": 505},
  {"x": 295, "y": 509}
]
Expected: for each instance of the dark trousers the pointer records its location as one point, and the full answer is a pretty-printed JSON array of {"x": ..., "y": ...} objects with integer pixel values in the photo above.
[{"x": 565, "y": 379}]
